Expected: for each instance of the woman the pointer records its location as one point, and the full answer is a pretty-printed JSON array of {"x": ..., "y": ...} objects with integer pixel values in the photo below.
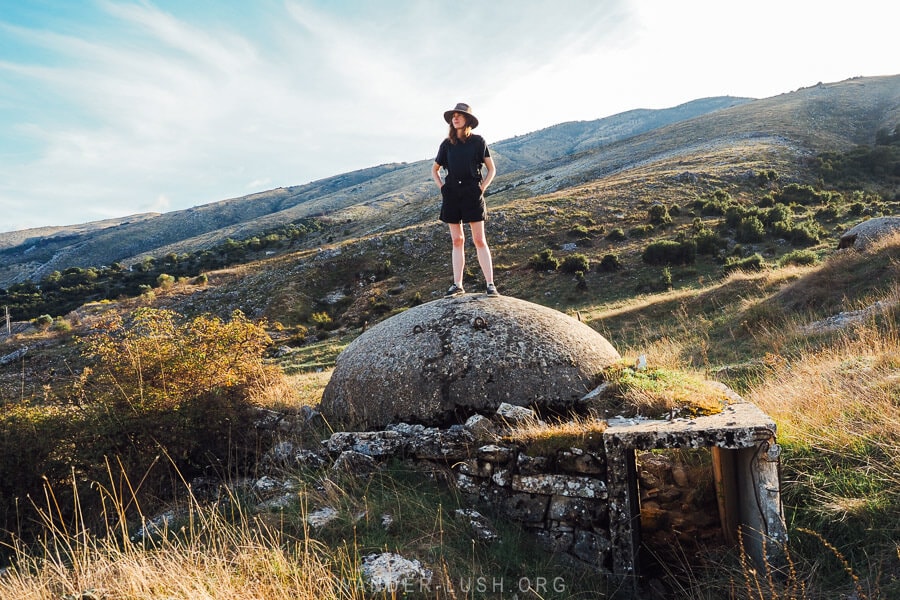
[{"x": 461, "y": 156}]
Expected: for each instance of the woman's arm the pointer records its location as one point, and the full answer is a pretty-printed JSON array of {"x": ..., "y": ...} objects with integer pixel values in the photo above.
[
  {"x": 491, "y": 171},
  {"x": 436, "y": 174}
]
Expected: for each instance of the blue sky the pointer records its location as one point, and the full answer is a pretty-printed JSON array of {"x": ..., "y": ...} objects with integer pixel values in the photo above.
[{"x": 115, "y": 107}]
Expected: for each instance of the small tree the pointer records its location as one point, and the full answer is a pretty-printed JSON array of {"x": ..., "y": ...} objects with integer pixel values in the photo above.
[
  {"x": 665, "y": 279},
  {"x": 750, "y": 229}
]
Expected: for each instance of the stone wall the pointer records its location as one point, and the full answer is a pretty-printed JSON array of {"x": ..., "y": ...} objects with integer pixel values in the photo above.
[
  {"x": 640, "y": 484},
  {"x": 560, "y": 498}
]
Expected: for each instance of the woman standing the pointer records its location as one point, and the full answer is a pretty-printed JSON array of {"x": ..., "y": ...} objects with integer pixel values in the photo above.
[{"x": 461, "y": 156}]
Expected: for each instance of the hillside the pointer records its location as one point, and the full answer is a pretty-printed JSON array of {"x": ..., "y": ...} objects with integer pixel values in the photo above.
[
  {"x": 707, "y": 244},
  {"x": 33, "y": 254},
  {"x": 833, "y": 116},
  {"x": 381, "y": 247}
]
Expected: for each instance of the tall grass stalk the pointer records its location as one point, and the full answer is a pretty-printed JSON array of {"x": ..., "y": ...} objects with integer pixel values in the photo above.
[
  {"x": 842, "y": 396},
  {"x": 836, "y": 407},
  {"x": 214, "y": 553}
]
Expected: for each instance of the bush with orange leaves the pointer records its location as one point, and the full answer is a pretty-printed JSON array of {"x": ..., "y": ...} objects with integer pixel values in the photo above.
[
  {"x": 161, "y": 360},
  {"x": 164, "y": 397}
]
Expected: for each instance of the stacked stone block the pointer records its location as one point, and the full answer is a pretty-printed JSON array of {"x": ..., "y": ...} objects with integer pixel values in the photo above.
[{"x": 562, "y": 498}]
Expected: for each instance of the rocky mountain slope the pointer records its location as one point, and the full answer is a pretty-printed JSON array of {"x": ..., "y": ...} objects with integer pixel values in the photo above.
[
  {"x": 32, "y": 254},
  {"x": 801, "y": 123}
]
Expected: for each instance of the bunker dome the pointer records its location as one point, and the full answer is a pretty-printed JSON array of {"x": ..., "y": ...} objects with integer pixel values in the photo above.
[{"x": 441, "y": 362}]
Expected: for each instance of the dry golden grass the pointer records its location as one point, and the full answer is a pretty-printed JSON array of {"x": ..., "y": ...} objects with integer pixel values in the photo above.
[
  {"x": 543, "y": 438},
  {"x": 209, "y": 558},
  {"x": 293, "y": 391},
  {"x": 845, "y": 275},
  {"x": 839, "y": 396}
]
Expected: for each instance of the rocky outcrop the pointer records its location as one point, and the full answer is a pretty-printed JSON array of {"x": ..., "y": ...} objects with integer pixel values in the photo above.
[
  {"x": 444, "y": 361},
  {"x": 863, "y": 235}
]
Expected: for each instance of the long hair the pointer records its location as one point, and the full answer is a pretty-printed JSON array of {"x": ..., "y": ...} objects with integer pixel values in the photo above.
[{"x": 454, "y": 138}]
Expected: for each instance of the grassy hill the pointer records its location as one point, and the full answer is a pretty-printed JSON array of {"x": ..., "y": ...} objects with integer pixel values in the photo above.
[{"x": 604, "y": 230}]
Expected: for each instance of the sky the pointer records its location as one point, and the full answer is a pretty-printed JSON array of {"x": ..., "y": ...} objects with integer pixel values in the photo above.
[{"x": 110, "y": 108}]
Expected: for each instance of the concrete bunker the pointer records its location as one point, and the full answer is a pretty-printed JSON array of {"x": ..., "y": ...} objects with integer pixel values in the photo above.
[
  {"x": 439, "y": 363},
  {"x": 407, "y": 379}
]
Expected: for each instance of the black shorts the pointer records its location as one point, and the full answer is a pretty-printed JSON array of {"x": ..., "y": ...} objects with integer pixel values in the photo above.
[{"x": 462, "y": 202}]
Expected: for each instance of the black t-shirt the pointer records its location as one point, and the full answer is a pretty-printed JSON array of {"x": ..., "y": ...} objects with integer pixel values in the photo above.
[{"x": 463, "y": 160}]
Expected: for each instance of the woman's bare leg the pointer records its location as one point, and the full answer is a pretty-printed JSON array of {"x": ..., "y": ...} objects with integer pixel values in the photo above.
[
  {"x": 484, "y": 253},
  {"x": 458, "y": 254}
]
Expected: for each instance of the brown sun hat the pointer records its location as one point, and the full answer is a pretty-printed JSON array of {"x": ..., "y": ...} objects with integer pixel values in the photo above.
[{"x": 465, "y": 109}]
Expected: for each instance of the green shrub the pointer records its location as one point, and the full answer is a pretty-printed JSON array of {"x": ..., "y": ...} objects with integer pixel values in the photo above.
[
  {"x": 798, "y": 257},
  {"x": 754, "y": 262},
  {"x": 610, "y": 262},
  {"x": 777, "y": 213},
  {"x": 379, "y": 305},
  {"x": 734, "y": 214},
  {"x": 665, "y": 279},
  {"x": 670, "y": 252},
  {"x": 580, "y": 280},
  {"x": 640, "y": 230},
  {"x": 829, "y": 212},
  {"x": 801, "y": 194},
  {"x": 709, "y": 242},
  {"x": 807, "y": 233},
  {"x": 764, "y": 177},
  {"x": 715, "y": 204},
  {"x": 576, "y": 262},
  {"x": 43, "y": 322},
  {"x": 60, "y": 325},
  {"x": 165, "y": 281},
  {"x": 659, "y": 215},
  {"x": 750, "y": 229},
  {"x": 579, "y": 231},
  {"x": 616, "y": 235},
  {"x": 544, "y": 261}
]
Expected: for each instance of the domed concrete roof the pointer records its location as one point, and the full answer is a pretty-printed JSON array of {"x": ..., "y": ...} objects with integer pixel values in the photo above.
[
  {"x": 441, "y": 362},
  {"x": 864, "y": 234}
]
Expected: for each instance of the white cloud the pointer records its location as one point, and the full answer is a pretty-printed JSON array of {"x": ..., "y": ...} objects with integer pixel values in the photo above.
[{"x": 136, "y": 106}]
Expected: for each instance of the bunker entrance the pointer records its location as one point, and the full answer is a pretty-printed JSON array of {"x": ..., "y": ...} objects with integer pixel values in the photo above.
[
  {"x": 678, "y": 486},
  {"x": 680, "y": 521}
]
